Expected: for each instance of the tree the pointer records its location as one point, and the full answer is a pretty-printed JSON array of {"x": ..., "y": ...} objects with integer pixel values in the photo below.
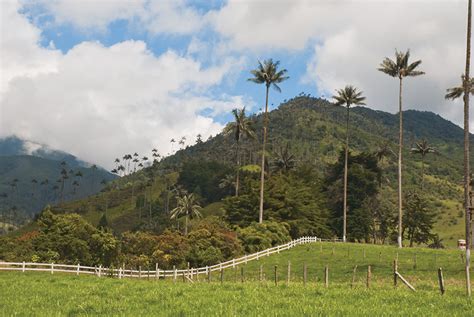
[
  {"x": 187, "y": 205},
  {"x": 284, "y": 160},
  {"x": 268, "y": 74},
  {"x": 362, "y": 185},
  {"x": 400, "y": 68},
  {"x": 422, "y": 148},
  {"x": 467, "y": 90},
  {"x": 241, "y": 127},
  {"x": 418, "y": 219},
  {"x": 347, "y": 97}
]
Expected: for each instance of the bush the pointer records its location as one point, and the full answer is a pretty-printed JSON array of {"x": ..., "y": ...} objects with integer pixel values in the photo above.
[{"x": 257, "y": 237}]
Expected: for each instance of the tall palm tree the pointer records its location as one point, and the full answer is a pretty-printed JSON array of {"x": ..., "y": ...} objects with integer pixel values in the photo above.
[
  {"x": 187, "y": 205},
  {"x": 266, "y": 73},
  {"x": 422, "y": 148},
  {"x": 400, "y": 68},
  {"x": 467, "y": 87},
  {"x": 347, "y": 97},
  {"x": 241, "y": 127}
]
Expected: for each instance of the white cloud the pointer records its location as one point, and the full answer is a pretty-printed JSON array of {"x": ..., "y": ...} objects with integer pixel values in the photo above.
[
  {"x": 350, "y": 38},
  {"x": 100, "y": 102},
  {"x": 156, "y": 17}
]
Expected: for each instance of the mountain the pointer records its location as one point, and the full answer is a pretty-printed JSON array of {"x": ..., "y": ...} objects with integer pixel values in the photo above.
[
  {"x": 29, "y": 174},
  {"x": 313, "y": 130}
]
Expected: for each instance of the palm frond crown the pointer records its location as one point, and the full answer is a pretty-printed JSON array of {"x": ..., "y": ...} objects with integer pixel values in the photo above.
[
  {"x": 267, "y": 73},
  {"x": 349, "y": 96},
  {"x": 400, "y": 67}
]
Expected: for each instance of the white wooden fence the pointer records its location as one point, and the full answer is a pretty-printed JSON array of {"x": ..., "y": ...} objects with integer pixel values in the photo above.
[{"x": 157, "y": 273}]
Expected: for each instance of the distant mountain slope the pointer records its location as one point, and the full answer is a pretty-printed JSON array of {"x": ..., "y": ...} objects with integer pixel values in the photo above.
[
  {"x": 29, "y": 174},
  {"x": 12, "y": 145}
]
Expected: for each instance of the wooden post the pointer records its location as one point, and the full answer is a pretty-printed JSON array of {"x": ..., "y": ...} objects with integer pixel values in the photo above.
[
  {"x": 441, "y": 281},
  {"x": 157, "y": 271},
  {"x": 261, "y": 273},
  {"x": 222, "y": 276},
  {"x": 52, "y": 268},
  {"x": 288, "y": 276},
  {"x": 276, "y": 278},
  {"x": 326, "y": 276},
  {"x": 175, "y": 274},
  {"x": 209, "y": 276},
  {"x": 100, "y": 270},
  {"x": 78, "y": 269},
  {"x": 354, "y": 271},
  {"x": 405, "y": 281},
  {"x": 242, "y": 277},
  {"x": 23, "y": 267},
  {"x": 369, "y": 276},
  {"x": 139, "y": 271},
  {"x": 395, "y": 271},
  {"x": 305, "y": 273},
  {"x": 148, "y": 273},
  {"x": 184, "y": 276}
]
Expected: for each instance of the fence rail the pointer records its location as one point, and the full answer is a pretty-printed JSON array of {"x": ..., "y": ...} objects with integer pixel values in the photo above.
[{"x": 121, "y": 272}]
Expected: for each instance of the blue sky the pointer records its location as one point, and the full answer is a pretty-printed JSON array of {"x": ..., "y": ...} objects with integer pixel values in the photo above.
[{"x": 129, "y": 75}]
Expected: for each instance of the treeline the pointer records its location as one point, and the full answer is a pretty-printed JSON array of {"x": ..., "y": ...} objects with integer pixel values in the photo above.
[{"x": 68, "y": 238}]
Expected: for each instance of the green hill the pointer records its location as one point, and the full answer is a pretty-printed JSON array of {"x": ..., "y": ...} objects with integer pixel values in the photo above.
[{"x": 313, "y": 129}]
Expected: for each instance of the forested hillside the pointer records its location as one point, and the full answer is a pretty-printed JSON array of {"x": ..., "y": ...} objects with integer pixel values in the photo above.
[{"x": 303, "y": 190}]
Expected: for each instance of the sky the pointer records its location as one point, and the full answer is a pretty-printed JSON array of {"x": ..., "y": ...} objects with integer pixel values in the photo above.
[{"x": 102, "y": 78}]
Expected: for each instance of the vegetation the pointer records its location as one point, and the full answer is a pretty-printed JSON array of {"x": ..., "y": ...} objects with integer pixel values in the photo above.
[
  {"x": 268, "y": 74},
  {"x": 348, "y": 96},
  {"x": 400, "y": 68}
]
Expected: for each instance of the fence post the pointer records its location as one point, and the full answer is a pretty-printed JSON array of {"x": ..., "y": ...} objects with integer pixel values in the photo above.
[
  {"x": 354, "y": 276},
  {"x": 242, "y": 277},
  {"x": 441, "y": 281},
  {"x": 395, "y": 270},
  {"x": 326, "y": 276},
  {"x": 175, "y": 274},
  {"x": 209, "y": 275},
  {"x": 222, "y": 276},
  {"x": 100, "y": 270},
  {"x": 258, "y": 254},
  {"x": 52, "y": 267},
  {"x": 276, "y": 278},
  {"x": 139, "y": 271},
  {"x": 120, "y": 273},
  {"x": 288, "y": 277},
  {"x": 305, "y": 270},
  {"x": 78, "y": 269},
  {"x": 157, "y": 271},
  {"x": 245, "y": 258},
  {"x": 369, "y": 275},
  {"x": 233, "y": 263},
  {"x": 23, "y": 267}
]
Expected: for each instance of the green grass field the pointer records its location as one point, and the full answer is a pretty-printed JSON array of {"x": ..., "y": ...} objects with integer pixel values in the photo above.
[{"x": 43, "y": 294}]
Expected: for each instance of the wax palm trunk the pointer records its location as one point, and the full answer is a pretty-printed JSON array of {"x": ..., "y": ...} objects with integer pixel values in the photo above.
[
  {"x": 400, "y": 148},
  {"x": 262, "y": 175},
  {"x": 345, "y": 177},
  {"x": 466, "y": 149}
]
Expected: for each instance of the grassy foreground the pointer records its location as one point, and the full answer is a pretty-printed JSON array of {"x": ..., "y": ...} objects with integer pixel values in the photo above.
[{"x": 42, "y": 294}]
